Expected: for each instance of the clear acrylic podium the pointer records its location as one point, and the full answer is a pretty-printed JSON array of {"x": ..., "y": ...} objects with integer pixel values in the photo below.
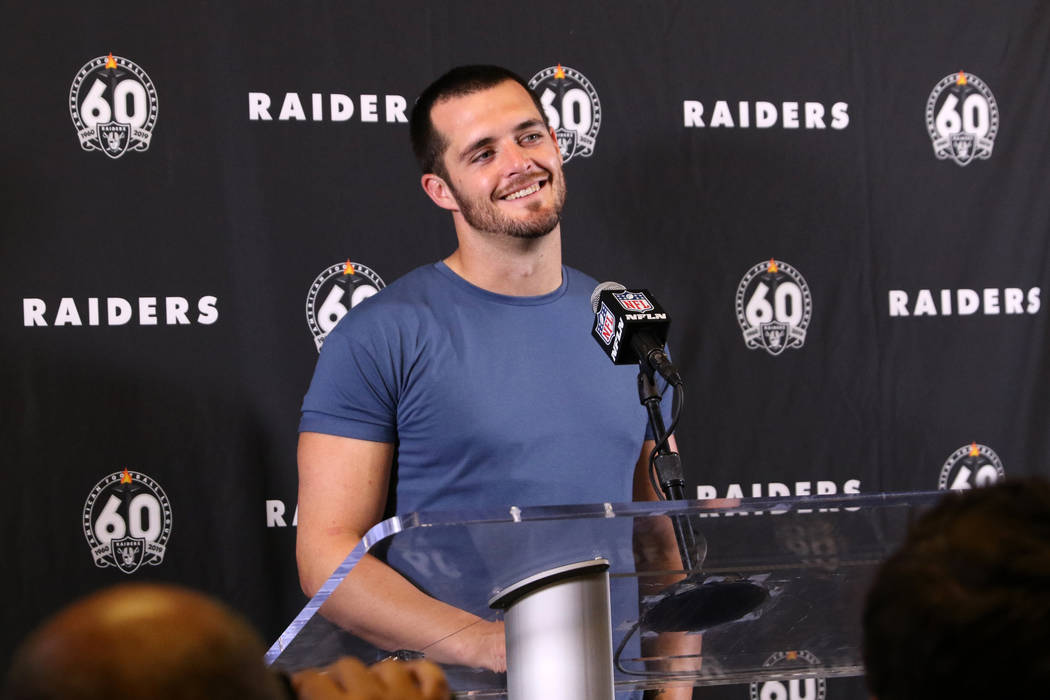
[{"x": 777, "y": 595}]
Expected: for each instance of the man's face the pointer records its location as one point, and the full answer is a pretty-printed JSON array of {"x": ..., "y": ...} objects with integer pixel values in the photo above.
[{"x": 503, "y": 165}]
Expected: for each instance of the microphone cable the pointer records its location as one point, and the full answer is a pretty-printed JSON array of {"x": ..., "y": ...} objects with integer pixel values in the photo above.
[{"x": 676, "y": 412}]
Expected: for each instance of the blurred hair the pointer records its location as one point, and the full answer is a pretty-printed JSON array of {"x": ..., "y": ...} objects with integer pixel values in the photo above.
[
  {"x": 142, "y": 641},
  {"x": 962, "y": 609}
]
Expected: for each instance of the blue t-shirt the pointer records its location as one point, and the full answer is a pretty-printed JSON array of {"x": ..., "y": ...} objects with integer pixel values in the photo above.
[{"x": 491, "y": 400}]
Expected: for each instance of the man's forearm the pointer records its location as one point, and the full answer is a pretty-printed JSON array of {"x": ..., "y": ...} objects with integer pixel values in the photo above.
[
  {"x": 377, "y": 604},
  {"x": 669, "y": 652},
  {"x": 659, "y": 565}
]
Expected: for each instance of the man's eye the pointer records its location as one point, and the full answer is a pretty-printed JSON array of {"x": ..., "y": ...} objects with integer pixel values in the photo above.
[
  {"x": 530, "y": 138},
  {"x": 483, "y": 155}
]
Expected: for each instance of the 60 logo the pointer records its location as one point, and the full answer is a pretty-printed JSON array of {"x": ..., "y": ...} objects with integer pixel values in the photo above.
[
  {"x": 971, "y": 466},
  {"x": 127, "y": 521},
  {"x": 334, "y": 292},
  {"x": 804, "y": 688},
  {"x": 962, "y": 118},
  {"x": 572, "y": 108},
  {"x": 113, "y": 104},
  {"x": 773, "y": 307}
]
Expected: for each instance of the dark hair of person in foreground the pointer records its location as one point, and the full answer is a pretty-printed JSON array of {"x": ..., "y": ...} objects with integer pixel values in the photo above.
[{"x": 962, "y": 609}]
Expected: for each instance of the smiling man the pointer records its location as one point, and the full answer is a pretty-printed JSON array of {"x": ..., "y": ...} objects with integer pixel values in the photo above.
[
  {"x": 470, "y": 382},
  {"x": 532, "y": 189},
  {"x": 489, "y": 158}
]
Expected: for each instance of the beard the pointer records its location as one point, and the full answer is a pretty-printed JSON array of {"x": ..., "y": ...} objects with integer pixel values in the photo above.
[{"x": 484, "y": 215}]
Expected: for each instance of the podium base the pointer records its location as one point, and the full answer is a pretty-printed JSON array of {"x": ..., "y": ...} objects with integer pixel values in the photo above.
[{"x": 559, "y": 633}]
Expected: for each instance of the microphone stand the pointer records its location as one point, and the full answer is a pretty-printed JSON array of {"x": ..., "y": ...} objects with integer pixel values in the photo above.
[
  {"x": 693, "y": 604},
  {"x": 669, "y": 471}
]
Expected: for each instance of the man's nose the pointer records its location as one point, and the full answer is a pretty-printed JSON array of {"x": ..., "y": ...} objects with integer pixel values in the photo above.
[{"x": 516, "y": 159}]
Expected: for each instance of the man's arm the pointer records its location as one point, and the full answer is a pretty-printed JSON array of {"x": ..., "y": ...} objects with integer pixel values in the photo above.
[
  {"x": 656, "y": 546},
  {"x": 342, "y": 493}
]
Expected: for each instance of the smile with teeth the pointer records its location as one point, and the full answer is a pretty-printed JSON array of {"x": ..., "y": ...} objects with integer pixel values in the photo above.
[{"x": 534, "y": 187}]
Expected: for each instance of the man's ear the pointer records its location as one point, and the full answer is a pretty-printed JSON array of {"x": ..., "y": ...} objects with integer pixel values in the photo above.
[{"x": 439, "y": 191}]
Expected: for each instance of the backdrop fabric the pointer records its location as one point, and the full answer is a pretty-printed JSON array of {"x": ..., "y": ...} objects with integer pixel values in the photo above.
[{"x": 841, "y": 204}]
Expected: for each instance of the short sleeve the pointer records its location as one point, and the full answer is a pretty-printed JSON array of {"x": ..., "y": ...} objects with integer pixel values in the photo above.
[{"x": 353, "y": 390}]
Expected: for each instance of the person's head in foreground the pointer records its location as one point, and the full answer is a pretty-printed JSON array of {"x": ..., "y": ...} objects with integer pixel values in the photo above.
[
  {"x": 962, "y": 609},
  {"x": 142, "y": 641},
  {"x": 164, "y": 642}
]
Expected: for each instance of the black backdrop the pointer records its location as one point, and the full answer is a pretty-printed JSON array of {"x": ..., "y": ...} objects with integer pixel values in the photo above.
[{"x": 731, "y": 136}]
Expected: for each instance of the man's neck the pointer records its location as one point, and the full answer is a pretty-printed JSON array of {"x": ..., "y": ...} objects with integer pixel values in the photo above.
[{"x": 511, "y": 266}]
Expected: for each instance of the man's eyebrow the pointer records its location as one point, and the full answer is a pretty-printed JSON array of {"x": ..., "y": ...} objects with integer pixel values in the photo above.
[
  {"x": 528, "y": 124},
  {"x": 480, "y": 143},
  {"x": 489, "y": 140}
]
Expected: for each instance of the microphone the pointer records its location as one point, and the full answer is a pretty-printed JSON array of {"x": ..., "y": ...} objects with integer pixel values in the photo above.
[{"x": 631, "y": 327}]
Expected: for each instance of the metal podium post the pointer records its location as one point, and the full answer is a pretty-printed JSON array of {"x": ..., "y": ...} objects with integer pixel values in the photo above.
[{"x": 558, "y": 626}]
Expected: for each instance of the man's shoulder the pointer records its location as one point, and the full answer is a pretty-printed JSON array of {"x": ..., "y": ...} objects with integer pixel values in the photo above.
[
  {"x": 397, "y": 303},
  {"x": 410, "y": 285},
  {"x": 409, "y": 289}
]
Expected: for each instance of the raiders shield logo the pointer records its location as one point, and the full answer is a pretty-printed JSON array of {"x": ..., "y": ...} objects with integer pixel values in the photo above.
[
  {"x": 963, "y": 147},
  {"x": 773, "y": 335},
  {"x": 568, "y": 142},
  {"x": 128, "y": 553},
  {"x": 114, "y": 138}
]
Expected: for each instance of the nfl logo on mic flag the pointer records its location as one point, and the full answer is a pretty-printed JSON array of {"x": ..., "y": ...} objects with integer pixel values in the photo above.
[
  {"x": 606, "y": 325},
  {"x": 633, "y": 301}
]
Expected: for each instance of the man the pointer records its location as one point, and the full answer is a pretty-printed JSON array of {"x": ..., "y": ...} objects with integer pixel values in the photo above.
[
  {"x": 962, "y": 609},
  {"x": 470, "y": 382}
]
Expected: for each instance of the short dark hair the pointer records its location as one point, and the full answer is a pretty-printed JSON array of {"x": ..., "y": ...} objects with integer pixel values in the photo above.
[
  {"x": 962, "y": 609},
  {"x": 427, "y": 143}
]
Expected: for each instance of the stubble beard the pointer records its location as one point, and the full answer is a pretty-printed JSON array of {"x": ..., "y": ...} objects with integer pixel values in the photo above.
[{"x": 483, "y": 215}]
